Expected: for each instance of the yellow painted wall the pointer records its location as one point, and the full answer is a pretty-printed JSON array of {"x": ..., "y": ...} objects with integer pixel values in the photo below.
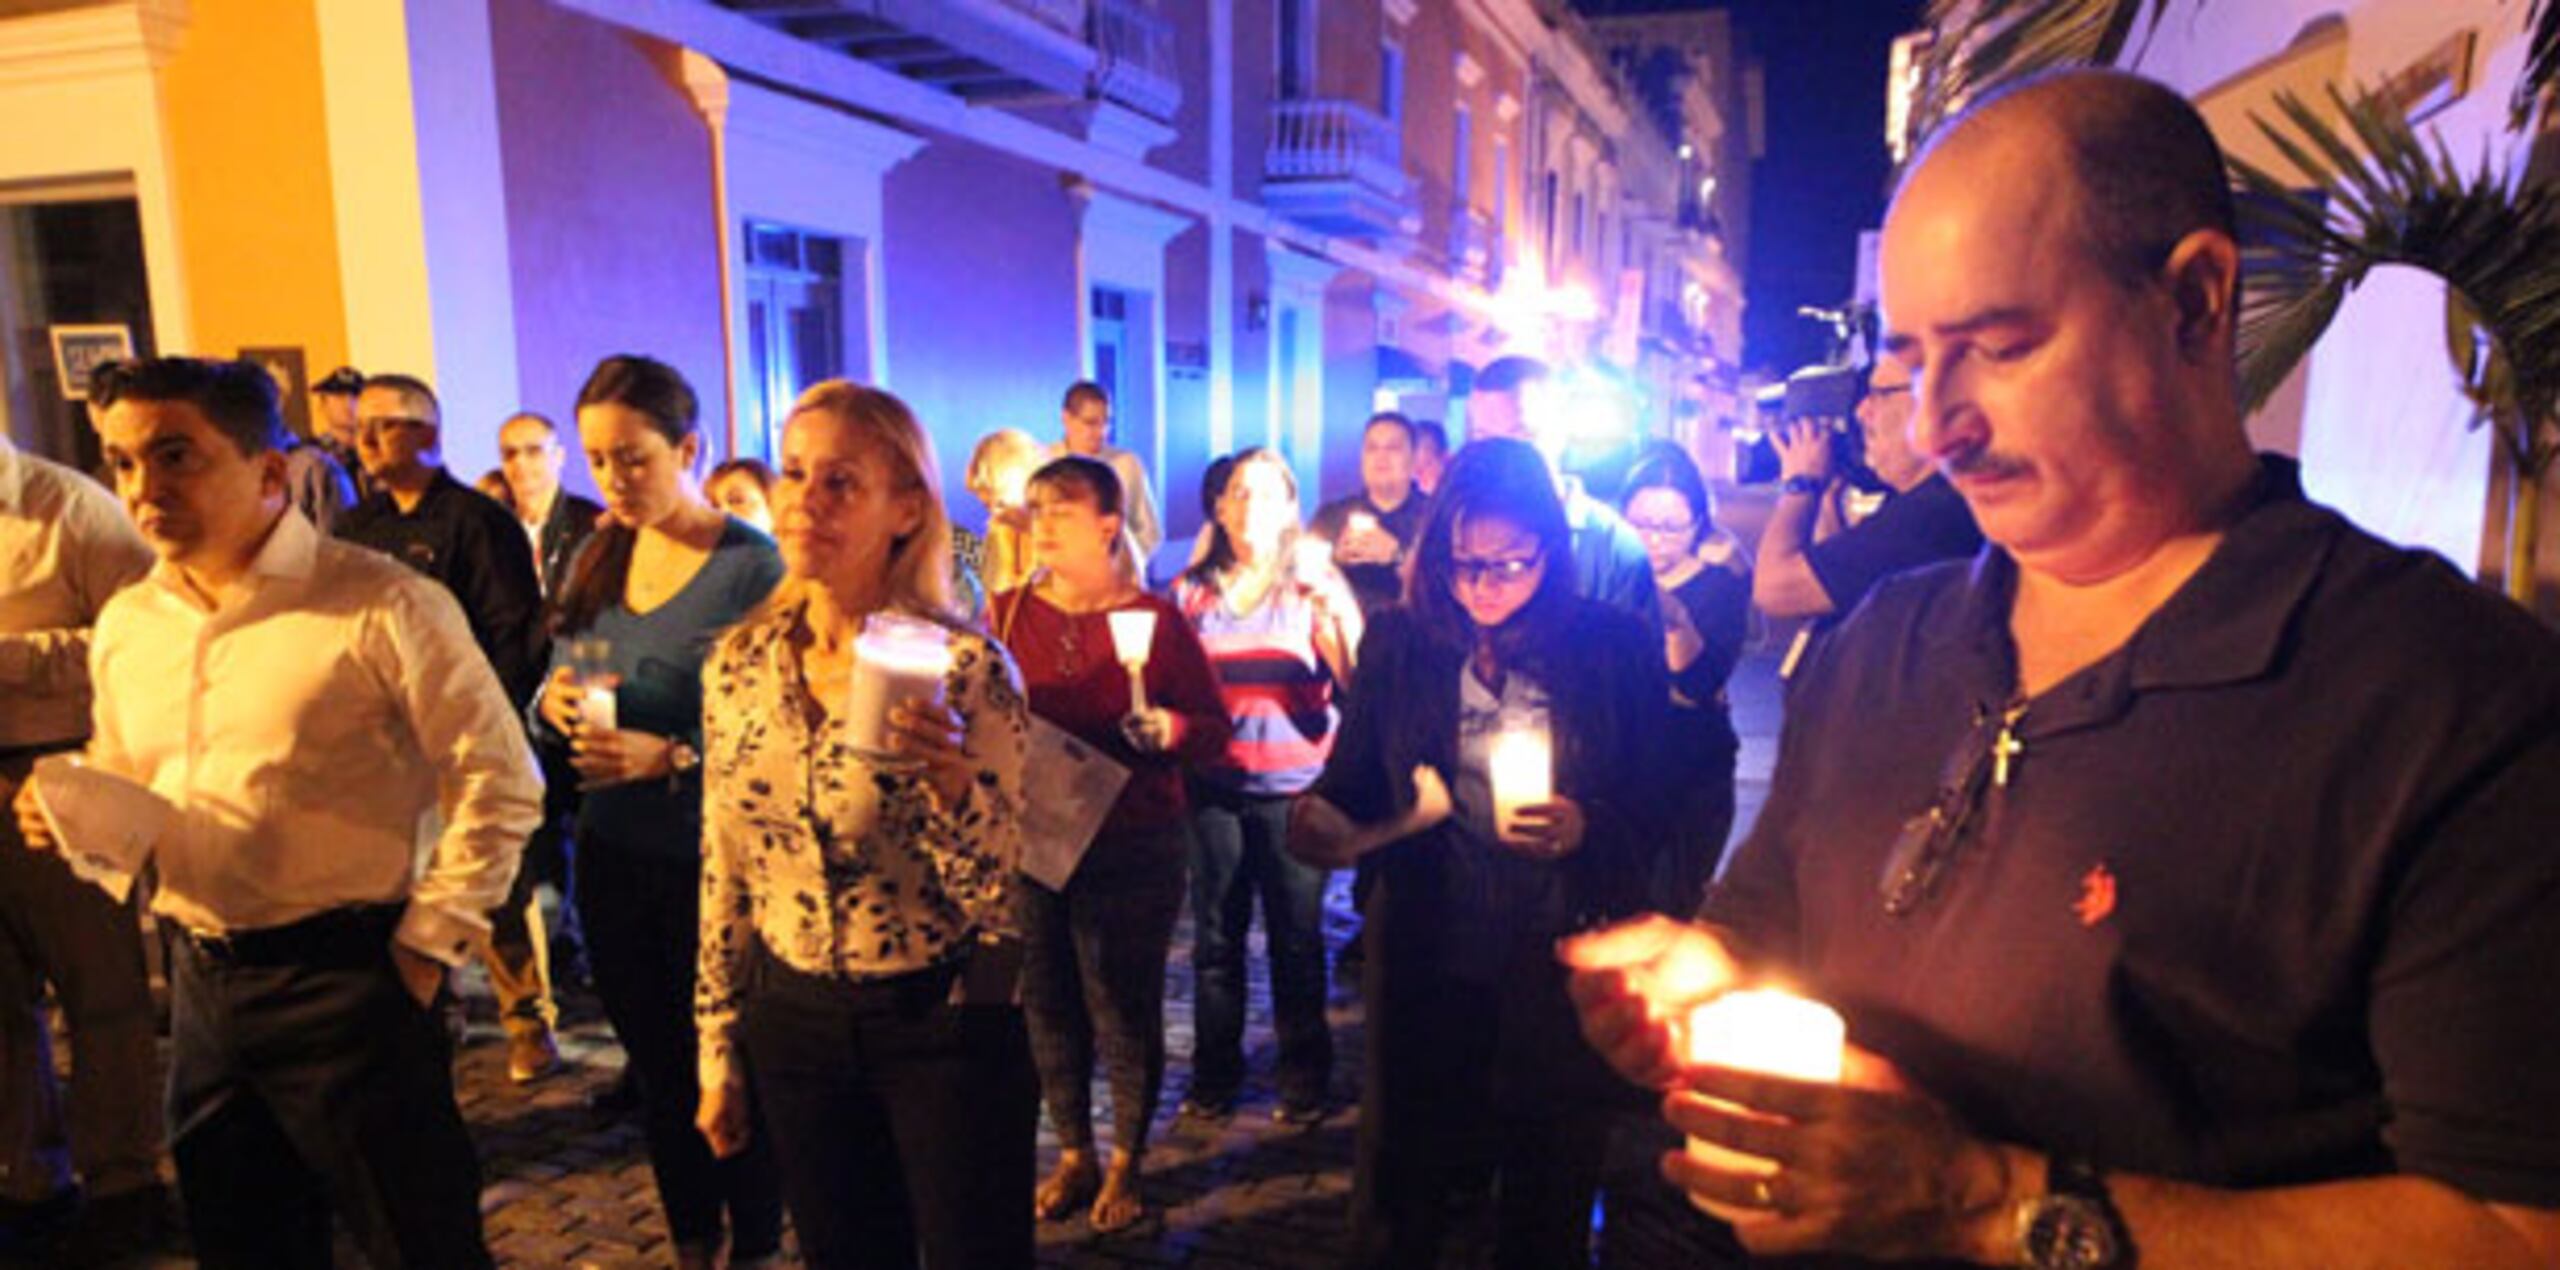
[{"x": 250, "y": 151}]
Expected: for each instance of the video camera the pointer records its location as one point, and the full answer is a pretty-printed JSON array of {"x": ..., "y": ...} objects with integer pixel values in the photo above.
[{"x": 1827, "y": 394}]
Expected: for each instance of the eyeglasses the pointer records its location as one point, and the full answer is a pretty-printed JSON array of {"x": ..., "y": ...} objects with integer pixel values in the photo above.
[
  {"x": 385, "y": 423},
  {"x": 1662, "y": 528},
  {"x": 1929, "y": 841},
  {"x": 1499, "y": 572}
]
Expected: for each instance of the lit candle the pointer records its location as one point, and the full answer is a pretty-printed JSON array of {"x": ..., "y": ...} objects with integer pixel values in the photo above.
[
  {"x": 894, "y": 658},
  {"x": 598, "y": 711},
  {"x": 1761, "y": 1030},
  {"x": 1132, "y": 632},
  {"x": 1521, "y": 768}
]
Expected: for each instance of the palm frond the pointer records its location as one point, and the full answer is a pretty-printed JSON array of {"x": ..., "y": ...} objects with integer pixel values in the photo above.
[
  {"x": 1981, "y": 44},
  {"x": 2368, "y": 191},
  {"x": 2541, "y": 63}
]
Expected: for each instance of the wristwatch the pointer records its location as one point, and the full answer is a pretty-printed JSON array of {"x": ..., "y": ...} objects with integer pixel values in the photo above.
[
  {"x": 2074, "y": 1225},
  {"x": 681, "y": 758},
  {"x": 1801, "y": 485}
]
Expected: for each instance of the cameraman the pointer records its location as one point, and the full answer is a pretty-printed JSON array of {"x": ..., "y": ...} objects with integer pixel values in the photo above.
[{"x": 1809, "y": 564}]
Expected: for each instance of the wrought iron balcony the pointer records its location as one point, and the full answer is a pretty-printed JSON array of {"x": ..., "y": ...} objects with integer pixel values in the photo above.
[
  {"x": 1336, "y": 167},
  {"x": 1135, "y": 58},
  {"x": 991, "y": 51}
]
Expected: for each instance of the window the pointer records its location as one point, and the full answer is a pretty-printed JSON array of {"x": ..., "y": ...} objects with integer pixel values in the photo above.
[
  {"x": 1294, "y": 44},
  {"x": 1547, "y": 218},
  {"x": 794, "y": 289},
  {"x": 1463, "y": 134},
  {"x": 1391, "y": 82}
]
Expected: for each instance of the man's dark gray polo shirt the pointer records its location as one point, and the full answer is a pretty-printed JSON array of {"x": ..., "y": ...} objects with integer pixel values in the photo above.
[{"x": 2272, "y": 895}]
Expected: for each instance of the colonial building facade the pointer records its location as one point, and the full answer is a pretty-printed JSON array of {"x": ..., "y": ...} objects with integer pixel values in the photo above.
[{"x": 1254, "y": 220}]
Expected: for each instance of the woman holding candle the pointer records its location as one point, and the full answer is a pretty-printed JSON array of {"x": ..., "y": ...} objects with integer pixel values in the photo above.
[
  {"x": 1706, "y": 615},
  {"x": 1094, "y": 955},
  {"x": 1495, "y": 760},
  {"x": 1280, "y": 630},
  {"x": 664, "y": 574},
  {"x": 858, "y": 938}
]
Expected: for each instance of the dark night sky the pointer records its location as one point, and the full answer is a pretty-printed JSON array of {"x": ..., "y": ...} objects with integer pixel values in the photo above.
[{"x": 1823, "y": 177}]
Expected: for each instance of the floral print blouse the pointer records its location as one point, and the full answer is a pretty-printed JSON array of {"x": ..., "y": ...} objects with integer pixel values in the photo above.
[{"x": 838, "y": 868}]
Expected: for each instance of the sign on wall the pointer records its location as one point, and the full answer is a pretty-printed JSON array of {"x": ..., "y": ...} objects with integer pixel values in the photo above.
[{"x": 79, "y": 350}]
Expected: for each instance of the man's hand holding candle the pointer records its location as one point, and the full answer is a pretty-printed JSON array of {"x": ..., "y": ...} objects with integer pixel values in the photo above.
[{"x": 1867, "y": 1165}]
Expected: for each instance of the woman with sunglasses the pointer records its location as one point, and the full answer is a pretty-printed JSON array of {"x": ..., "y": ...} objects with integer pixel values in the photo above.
[{"x": 1473, "y": 1055}]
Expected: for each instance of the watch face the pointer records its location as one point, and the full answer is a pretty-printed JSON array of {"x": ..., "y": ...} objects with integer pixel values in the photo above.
[{"x": 2070, "y": 1233}]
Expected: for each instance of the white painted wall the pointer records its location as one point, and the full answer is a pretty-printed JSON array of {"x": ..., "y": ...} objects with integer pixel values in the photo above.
[
  {"x": 421, "y": 211},
  {"x": 99, "y": 66}
]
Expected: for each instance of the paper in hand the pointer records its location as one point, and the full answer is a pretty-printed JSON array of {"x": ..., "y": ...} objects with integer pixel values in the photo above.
[{"x": 104, "y": 825}]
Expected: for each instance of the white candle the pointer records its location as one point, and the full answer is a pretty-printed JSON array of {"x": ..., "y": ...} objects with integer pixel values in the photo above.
[
  {"x": 598, "y": 711},
  {"x": 1132, "y": 632},
  {"x": 1521, "y": 769},
  {"x": 894, "y": 658},
  {"x": 1761, "y": 1030}
]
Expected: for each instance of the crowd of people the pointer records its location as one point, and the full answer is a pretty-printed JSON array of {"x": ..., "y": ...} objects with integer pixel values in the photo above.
[{"x": 872, "y": 832}]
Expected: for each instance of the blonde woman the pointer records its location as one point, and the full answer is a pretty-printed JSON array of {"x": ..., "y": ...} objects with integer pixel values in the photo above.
[
  {"x": 999, "y": 474},
  {"x": 858, "y": 942}
]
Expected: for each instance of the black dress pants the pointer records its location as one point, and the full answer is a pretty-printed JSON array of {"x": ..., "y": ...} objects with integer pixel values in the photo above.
[
  {"x": 642, "y": 916},
  {"x": 1465, "y": 1071},
  {"x": 314, "y": 1085},
  {"x": 904, "y": 1124}
]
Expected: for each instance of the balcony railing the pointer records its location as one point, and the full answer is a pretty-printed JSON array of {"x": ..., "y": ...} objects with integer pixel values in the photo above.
[
  {"x": 1314, "y": 140},
  {"x": 1065, "y": 16},
  {"x": 1135, "y": 58}
]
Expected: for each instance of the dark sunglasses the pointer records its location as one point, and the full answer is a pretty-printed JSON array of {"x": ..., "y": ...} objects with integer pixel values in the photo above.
[{"x": 1929, "y": 841}]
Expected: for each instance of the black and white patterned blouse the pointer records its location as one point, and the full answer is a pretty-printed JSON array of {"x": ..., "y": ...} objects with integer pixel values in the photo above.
[{"x": 840, "y": 869}]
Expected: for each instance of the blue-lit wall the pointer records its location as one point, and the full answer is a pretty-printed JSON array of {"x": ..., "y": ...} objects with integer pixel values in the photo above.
[
  {"x": 610, "y": 207},
  {"x": 981, "y": 292}
]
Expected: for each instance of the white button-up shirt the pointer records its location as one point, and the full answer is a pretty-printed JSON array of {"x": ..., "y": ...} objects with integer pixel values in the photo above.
[
  {"x": 65, "y": 546},
  {"x": 310, "y": 728}
]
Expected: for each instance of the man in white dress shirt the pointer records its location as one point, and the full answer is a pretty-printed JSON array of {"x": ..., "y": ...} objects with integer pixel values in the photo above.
[
  {"x": 307, "y": 708},
  {"x": 64, "y": 548}
]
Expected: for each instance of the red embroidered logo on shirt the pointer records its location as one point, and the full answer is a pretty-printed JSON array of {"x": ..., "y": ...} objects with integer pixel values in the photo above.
[{"x": 2097, "y": 895}]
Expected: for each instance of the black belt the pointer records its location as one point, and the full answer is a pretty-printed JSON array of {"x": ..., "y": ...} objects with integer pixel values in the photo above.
[
  {"x": 356, "y": 935},
  {"x": 22, "y": 753}
]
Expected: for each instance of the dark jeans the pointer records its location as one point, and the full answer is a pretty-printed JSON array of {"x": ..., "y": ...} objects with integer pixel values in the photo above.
[
  {"x": 1093, "y": 977},
  {"x": 1465, "y": 1071},
  {"x": 903, "y": 1124},
  {"x": 1238, "y": 853},
  {"x": 315, "y": 1087},
  {"x": 642, "y": 916}
]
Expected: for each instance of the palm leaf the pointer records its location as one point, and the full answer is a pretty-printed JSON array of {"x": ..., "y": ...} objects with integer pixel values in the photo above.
[
  {"x": 2370, "y": 192},
  {"x": 1981, "y": 44},
  {"x": 2541, "y": 64}
]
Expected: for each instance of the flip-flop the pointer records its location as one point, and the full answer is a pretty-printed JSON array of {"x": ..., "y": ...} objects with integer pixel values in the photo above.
[
  {"x": 1069, "y": 1198},
  {"x": 1137, "y": 1213}
]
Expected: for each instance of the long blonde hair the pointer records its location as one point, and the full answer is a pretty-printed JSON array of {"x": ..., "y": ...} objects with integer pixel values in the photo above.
[{"x": 920, "y": 563}]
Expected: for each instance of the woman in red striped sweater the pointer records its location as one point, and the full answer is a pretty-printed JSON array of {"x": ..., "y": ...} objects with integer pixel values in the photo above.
[{"x": 1280, "y": 627}]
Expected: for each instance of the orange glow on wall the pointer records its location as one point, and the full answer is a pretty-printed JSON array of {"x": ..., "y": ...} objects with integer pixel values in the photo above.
[{"x": 250, "y": 157}]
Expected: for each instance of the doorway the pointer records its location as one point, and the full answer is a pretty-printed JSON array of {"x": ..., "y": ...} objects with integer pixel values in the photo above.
[{"x": 67, "y": 260}]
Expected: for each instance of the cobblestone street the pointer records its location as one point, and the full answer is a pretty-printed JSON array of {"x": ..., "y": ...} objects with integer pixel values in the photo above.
[{"x": 568, "y": 1186}]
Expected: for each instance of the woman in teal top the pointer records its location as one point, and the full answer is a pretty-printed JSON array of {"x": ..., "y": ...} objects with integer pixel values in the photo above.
[{"x": 663, "y": 576}]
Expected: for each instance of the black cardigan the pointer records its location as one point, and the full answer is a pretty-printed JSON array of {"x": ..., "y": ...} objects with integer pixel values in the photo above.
[{"x": 1609, "y": 698}]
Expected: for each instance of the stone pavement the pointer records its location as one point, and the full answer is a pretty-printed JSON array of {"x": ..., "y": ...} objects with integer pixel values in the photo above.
[{"x": 568, "y": 1187}]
